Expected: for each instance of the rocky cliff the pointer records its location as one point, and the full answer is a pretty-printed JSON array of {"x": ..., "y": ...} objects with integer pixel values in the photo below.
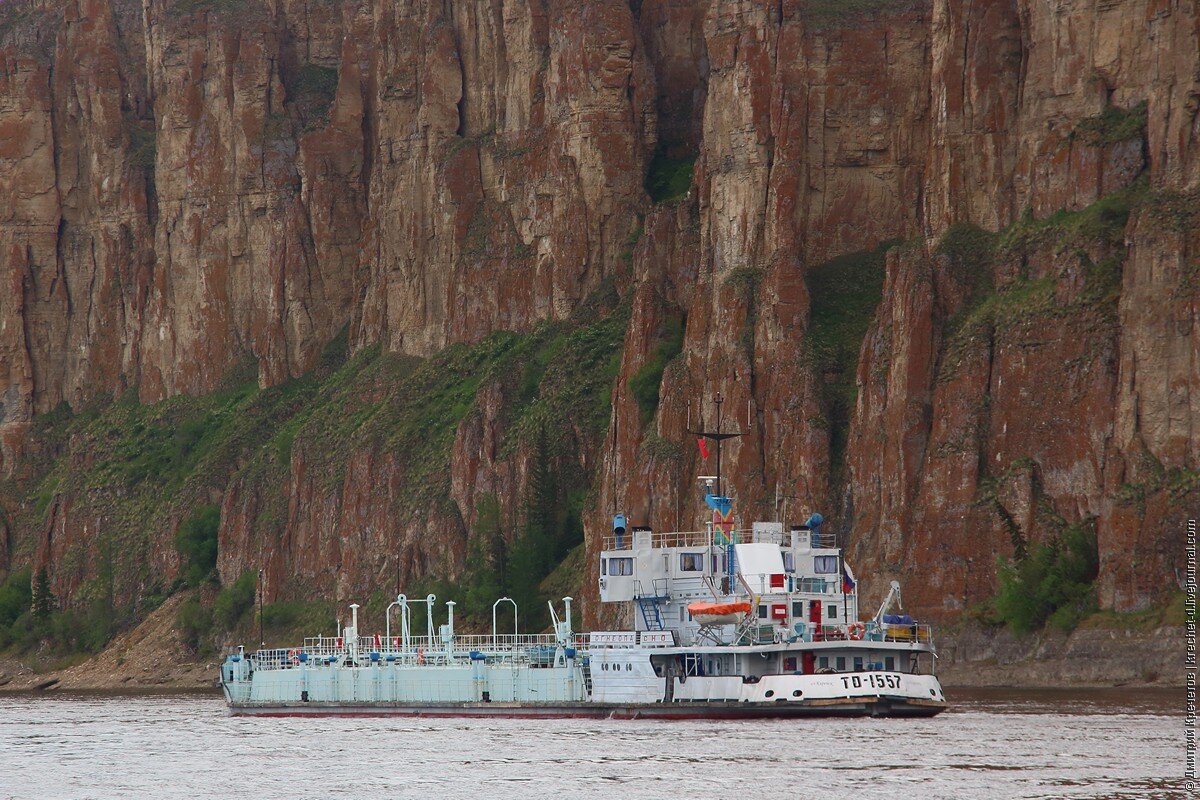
[{"x": 339, "y": 267}]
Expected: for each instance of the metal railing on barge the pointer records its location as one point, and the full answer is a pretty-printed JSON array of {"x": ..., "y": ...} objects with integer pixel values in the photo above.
[
  {"x": 543, "y": 650},
  {"x": 537, "y": 650}
]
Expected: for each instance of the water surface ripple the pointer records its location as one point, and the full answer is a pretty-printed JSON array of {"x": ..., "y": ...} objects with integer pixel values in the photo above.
[{"x": 993, "y": 744}]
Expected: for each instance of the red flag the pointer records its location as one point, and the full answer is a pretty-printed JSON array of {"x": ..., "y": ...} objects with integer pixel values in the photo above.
[{"x": 703, "y": 447}]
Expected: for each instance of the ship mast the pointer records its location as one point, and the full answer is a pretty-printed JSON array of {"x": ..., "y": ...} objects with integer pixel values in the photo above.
[
  {"x": 721, "y": 505},
  {"x": 717, "y": 436}
]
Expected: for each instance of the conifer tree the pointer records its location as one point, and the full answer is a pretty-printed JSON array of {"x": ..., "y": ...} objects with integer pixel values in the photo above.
[{"x": 43, "y": 599}]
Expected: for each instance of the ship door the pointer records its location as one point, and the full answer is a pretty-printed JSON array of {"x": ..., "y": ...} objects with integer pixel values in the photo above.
[
  {"x": 809, "y": 662},
  {"x": 814, "y": 617}
]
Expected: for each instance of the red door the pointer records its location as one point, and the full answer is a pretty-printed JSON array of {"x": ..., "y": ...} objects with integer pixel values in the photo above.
[
  {"x": 814, "y": 618},
  {"x": 810, "y": 663}
]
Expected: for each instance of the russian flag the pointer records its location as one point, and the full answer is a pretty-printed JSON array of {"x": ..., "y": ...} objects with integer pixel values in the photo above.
[{"x": 848, "y": 582}]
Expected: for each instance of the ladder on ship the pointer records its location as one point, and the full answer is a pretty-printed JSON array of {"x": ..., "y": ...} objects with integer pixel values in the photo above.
[
  {"x": 648, "y": 603},
  {"x": 587, "y": 678}
]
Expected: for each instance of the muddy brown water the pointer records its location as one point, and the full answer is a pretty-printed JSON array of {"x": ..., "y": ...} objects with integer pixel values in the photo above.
[{"x": 1109, "y": 743}]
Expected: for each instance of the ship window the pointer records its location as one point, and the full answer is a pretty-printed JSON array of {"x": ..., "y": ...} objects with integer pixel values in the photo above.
[
  {"x": 890, "y": 663},
  {"x": 762, "y": 612},
  {"x": 825, "y": 565},
  {"x": 620, "y": 566},
  {"x": 823, "y": 662},
  {"x": 798, "y": 608},
  {"x": 789, "y": 562},
  {"x": 841, "y": 663},
  {"x": 832, "y": 611},
  {"x": 858, "y": 663},
  {"x": 691, "y": 562},
  {"x": 604, "y": 566},
  {"x": 682, "y": 612}
]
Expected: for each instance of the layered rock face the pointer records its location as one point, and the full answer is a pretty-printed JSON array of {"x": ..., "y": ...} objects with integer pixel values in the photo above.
[{"x": 199, "y": 184}]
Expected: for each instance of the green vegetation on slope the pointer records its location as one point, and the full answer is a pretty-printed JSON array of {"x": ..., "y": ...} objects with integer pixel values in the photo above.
[
  {"x": 150, "y": 473},
  {"x": 973, "y": 254},
  {"x": 646, "y": 381},
  {"x": 312, "y": 90},
  {"x": 196, "y": 541},
  {"x": 670, "y": 175},
  {"x": 1052, "y": 583},
  {"x": 843, "y": 295},
  {"x": 1113, "y": 125}
]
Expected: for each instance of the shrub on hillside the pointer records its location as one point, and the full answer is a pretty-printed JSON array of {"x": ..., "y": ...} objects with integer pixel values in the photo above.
[{"x": 1053, "y": 583}]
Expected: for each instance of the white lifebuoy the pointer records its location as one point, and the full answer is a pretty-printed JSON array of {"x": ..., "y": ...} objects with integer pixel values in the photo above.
[{"x": 856, "y": 631}]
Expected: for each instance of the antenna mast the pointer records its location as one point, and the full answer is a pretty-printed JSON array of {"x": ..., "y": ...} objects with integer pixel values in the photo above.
[{"x": 717, "y": 436}]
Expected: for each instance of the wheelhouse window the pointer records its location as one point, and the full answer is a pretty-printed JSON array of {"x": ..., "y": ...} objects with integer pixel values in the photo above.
[
  {"x": 825, "y": 565},
  {"x": 620, "y": 566},
  {"x": 691, "y": 562},
  {"x": 789, "y": 561}
]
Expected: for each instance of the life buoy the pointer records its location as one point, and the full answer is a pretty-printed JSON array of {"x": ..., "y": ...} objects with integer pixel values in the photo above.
[
  {"x": 856, "y": 631},
  {"x": 420, "y": 655},
  {"x": 294, "y": 656}
]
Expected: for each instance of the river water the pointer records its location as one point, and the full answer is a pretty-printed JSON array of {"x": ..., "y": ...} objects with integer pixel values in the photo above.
[{"x": 993, "y": 744}]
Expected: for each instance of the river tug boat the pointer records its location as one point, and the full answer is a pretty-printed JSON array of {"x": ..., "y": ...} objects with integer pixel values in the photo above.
[{"x": 761, "y": 621}]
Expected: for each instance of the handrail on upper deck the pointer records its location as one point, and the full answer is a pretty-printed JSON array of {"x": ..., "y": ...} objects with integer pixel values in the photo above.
[{"x": 707, "y": 538}]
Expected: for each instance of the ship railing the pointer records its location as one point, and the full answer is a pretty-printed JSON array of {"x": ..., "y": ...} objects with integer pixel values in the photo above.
[
  {"x": 822, "y": 540},
  {"x": 871, "y": 632},
  {"x": 541, "y": 649},
  {"x": 816, "y": 586},
  {"x": 658, "y": 540},
  {"x": 702, "y": 538}
]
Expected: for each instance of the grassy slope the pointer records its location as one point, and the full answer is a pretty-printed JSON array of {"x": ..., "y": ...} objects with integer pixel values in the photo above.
[{"x": 142, "y": 468}]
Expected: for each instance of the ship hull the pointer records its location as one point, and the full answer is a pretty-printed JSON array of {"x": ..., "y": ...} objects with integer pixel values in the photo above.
[{"x": 855, "y": 707}]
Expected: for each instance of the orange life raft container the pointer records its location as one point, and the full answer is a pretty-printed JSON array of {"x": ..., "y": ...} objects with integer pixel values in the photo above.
[{"x": 718, "y": 613}]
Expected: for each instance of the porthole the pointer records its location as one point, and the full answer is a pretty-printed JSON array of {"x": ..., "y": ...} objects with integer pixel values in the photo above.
[
  {"x": 629, "y": 667},
  {"x": 770, "y": 693},
  {"x": 797, "y": 693},
  {"x": 932, "y": 693}
]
